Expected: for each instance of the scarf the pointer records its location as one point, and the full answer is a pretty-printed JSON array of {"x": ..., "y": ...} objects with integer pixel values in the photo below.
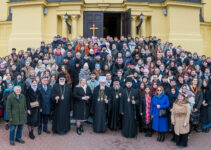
[
  {"x": 194, "y": 90},
  {"x": 92, "y": 84},
  {"x": 8, "y": 90},
  {"x": 34, "y": 88},
  {"x": 159, "y": 96},
  {"x": 84, "y": 88},
  {"x": 58, "y": 54},
  {"x": 148, "y": 104}
]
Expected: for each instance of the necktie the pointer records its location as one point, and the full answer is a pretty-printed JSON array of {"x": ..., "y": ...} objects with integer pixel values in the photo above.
[{"x": 45, "y": 87}]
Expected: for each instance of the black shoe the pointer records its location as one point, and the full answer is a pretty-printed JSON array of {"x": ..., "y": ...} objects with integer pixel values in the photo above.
[
  {"x": 197, "y": 130},
  {"x": 20, "y": 141},
  {"x": 150, "y": 135},
  {"x": 39, "y": 131},
  {"x": 78, "y": 131},
  {"x": 159, "y": 137},
  {"x": 6, "y": 126},
  {"x": 47, "y": 131},
  {"x": 207, "y": 130},
  {"x": 173, "y": 139},
  {"x": 31, "y": 135},
  {"x": 81, "y": 128},
  {"x": 146, "y": 135},
  {"x": 162, "y": 139},
  {"x": 12, "y": 143}
]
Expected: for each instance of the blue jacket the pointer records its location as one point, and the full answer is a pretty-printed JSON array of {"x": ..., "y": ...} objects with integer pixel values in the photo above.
[
  {"x": 58, "y": 59},
  {"x": 46, "y": 99},
  {"x": 197, "y": 61},
  {"x": 159, "y": 124}
]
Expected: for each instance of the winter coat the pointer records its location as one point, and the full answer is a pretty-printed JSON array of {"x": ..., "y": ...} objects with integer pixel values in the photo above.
[
  {"x": 81, "y": 107},
  {"x": 180, "y": 115},
  {"x": 46, "y": 99},
  {"x": 159, "y": 124},
  {"x": 58, "y": 59},
  {"x": 16, "y": 109},
  {"x": 206, "y": 110}
]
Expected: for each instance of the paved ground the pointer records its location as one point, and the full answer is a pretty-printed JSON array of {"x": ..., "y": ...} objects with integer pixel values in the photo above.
[{"x": 92, "y": 141}]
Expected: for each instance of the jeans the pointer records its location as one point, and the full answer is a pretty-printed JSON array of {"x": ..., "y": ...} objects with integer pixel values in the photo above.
[
  {"x": 44, "y": 121},
  {"x": 18, "y": 132}
]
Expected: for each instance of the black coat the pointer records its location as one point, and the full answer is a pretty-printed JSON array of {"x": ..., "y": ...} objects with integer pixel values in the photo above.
[
  {"x": 81, "y": 107},
  {"x": 46, "y": 99},
  {"x": 198, "y": 99},
  {"x": 129, "y": 124},
  {"x": 142, "y": 109},
  {"x": 206, "y": 110},
  {"x": 114, "y": 116},
  {"x": 99, "y": 109},
  {"x": 31, "y": 96}
]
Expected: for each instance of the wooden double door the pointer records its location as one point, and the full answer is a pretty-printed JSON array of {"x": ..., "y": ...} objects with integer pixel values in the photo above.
[{"x": 120, "y": 21}]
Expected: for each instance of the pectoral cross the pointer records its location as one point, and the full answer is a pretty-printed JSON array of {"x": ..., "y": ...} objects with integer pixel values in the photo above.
[{"x": 93, "y": 28}]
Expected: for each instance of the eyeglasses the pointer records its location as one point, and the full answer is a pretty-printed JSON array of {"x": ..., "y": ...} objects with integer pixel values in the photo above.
[{"x": 159, "y": 90}]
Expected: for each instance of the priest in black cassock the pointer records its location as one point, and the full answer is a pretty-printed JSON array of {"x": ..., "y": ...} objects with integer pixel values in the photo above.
[
  {"x": 100, "y": 105},
  {"x": 114, "y": 116},
  {"x": 61, "y": 97},
  {"x": 129, "y": 100}
]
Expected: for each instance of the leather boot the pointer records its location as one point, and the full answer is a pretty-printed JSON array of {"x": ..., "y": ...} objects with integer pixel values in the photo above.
[
  {"x": 162, "y": 137},
  {"x": 81, "y": 128},
  {"x": 159, "y": 136},
  {"x": 78, "y": 131},
  {"x": 31, "y": 135}
]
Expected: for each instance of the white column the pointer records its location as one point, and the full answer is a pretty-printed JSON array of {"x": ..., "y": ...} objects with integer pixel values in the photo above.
[
  {"x": 64, "y": 27},
  {"x": 74, "y": 26},
  {"x": 133, "y": 26},
  {"x": 143, "y": 27}
]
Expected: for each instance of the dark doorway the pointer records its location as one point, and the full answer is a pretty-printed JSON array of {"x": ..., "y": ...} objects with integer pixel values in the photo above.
[{"x": 112, "y": 24}]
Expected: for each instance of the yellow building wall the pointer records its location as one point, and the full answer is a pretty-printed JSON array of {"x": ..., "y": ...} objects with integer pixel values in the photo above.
[
  {"x": 184, "y": 27},
  {"x": 103, "y": 1},
  {"x": 30, "y": 26},
  {"x": 4, "y": 10},
  {"x": 27, "y": 27},
  {"x": 206, "y": 10},
  {"x": 206, "y": 35},
  {"x": 5, "y": 31}
]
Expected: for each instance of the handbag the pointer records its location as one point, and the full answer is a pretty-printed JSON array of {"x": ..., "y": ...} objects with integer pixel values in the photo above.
[
  {"x": 194, "y": 118},
  {"x": 162, "y": 113},
  {"x": 34, "y": 104}
]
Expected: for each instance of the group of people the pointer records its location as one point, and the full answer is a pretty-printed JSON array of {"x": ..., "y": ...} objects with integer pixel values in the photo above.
[{"x": 122, "y": 84}]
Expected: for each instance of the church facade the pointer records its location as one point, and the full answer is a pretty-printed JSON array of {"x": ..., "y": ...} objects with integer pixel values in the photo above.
[{"x": 25, "y": 23}]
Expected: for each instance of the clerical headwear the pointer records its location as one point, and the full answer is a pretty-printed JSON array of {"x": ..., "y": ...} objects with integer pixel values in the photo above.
[
  {"x": 102, "y": 78},
  {"x": 97, "y": 54},
  {"x": 103, "y": 46},
  {"x": 62, "y": 75},
  {"x": 129, "y": 79},
  {"x": 116, "y": 79}
]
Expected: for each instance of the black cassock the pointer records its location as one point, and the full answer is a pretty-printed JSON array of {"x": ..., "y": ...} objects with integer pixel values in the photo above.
[
  {"x": 99, "y": 110},
  {"x": 114, "y": 116},
  {"x": 129, "y": 124},
  {"x": 61, "y": 112}
]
